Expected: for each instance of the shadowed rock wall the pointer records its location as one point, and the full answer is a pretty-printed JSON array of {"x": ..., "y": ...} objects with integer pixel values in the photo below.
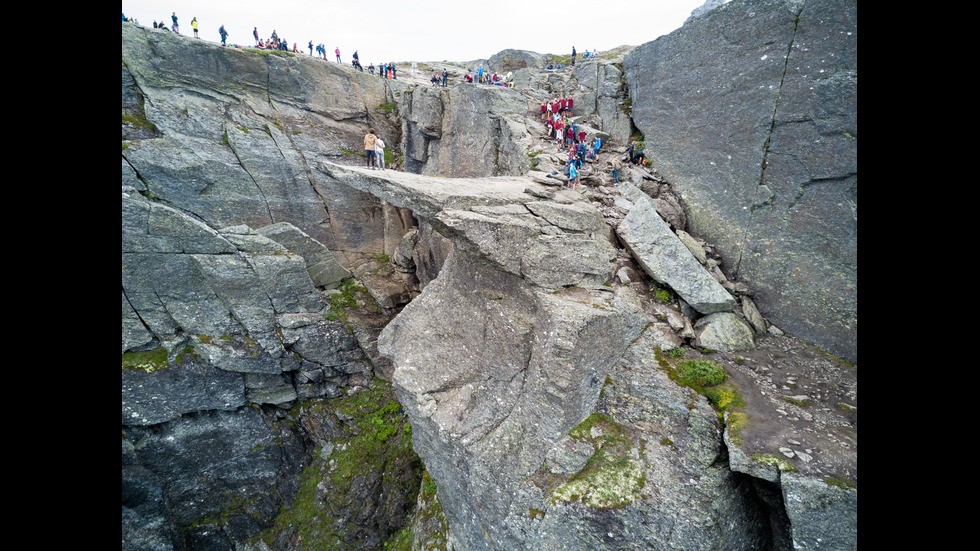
[{"x": 750, "y": 111}]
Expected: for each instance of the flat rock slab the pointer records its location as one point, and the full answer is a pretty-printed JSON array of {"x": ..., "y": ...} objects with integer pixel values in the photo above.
[{"x": 668, "y": 261}]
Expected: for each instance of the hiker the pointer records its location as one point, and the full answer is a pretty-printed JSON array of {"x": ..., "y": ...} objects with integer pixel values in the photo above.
[
  {"x": 255, "y": 33},
  {"x": 369, "y": 141},
  {"x": 311, "y": 48},
  {"x": 176, "y": 27},
  {"x": 223, "y": 33},
  {"x": 379, "y": 152},
  {"x": 616, "y": 167},
  {"x": 445, "y": 77},
  {"x": 639, "y": 158},
  {"x": 194, "y": 26},
  {"x": 629, "y": 152},
  {"x": 394, "y": 72},
  {"x": 337, "y": 51},
  {"x": 434, "y": 80},
  {"x": 573, "y": 55},
  {"x": 572, "y": 175}
]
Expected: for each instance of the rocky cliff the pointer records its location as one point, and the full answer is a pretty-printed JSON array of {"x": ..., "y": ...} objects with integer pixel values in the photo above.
[
  {"x": 460, "y": 352},
  {"x": 750, "y": 110}
]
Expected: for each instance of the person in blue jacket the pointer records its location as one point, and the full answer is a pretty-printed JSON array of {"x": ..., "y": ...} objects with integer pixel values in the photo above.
[{"x": 224, "y": 34}]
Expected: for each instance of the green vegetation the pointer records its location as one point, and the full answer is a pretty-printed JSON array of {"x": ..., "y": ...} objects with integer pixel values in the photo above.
[
  {"x": 390, "y": 157},
  {"x": 706, "y": 377},
  {"x": 148, "y": 360},
  {"x": 387, "y": 108},
  {"x": 796, "y": 401},
  {"x": 844, "y": 483},
  {"x": 139, "y": 122},
  {"x": 373, "y": 449},
  {"x": 698, "y": 374},
  {"x": 774, "y": 460},
  {"x": 187, "y": 351},
  {"x": 402, "y": 541},
  {"x": 341, "y": 303},
  {"x": 611, "y": 478},
  {"x": 662, "y": 296},
  {"x": 736, "y": 422},
  {"x": 430, "y": 516}
]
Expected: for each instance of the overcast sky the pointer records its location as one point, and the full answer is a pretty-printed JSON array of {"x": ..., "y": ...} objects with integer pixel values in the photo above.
[{"x": 425, "y": 30}]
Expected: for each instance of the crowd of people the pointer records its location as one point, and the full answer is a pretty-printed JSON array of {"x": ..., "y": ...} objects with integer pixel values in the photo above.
[
  {"x": 568, "y": 135},
  {"x": 556, "y": 112},
  {"x": 274, "y": 42}
]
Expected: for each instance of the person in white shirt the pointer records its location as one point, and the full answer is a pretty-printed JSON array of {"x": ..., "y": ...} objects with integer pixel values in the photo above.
[{"x": 379, "y": 152}]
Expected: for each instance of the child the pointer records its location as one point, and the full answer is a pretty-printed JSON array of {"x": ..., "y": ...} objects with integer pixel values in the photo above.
[{"x": 379, "y": 152}]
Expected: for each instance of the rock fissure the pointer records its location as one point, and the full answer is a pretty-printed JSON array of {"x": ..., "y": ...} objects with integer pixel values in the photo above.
[{"x": 519, "y": 307}]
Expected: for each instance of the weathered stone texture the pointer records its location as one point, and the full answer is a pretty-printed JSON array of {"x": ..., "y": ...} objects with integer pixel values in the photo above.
[{"x": 750, "y": 111}]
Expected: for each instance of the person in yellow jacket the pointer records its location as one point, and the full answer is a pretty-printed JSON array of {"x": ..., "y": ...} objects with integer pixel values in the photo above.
[
  {"x": 369, "y": 140},
  {"x": 194, "y": 26}
]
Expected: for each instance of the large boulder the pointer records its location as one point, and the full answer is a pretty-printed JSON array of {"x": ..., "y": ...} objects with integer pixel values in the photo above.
[
  {"x": 667, "y": 259},
  {"x": 750, "y": 111}
]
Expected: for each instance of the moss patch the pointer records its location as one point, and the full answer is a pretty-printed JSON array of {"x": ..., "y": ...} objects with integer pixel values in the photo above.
[
  {"x": 342, "y": 302},
  {"x": 149, "y": 360},
  {"x": 774, "y": 460},
  {"x": 611, "y": 478},
  {"x": 372, "y": 474},
  {"x": 706, "y": 377}
]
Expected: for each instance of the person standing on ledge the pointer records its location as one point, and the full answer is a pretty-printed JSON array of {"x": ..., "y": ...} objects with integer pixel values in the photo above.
[
  {"x": 194, "y": 26},
  {"x": 369, "y": 142},
  {"x": 573, "y": 55}
]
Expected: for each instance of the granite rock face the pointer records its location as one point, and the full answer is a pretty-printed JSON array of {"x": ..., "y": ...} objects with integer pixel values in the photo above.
[
  {"x": 533, "y": 358},
  {"x": 474, "y": 131},
  {"x": 750, "y": 111}
]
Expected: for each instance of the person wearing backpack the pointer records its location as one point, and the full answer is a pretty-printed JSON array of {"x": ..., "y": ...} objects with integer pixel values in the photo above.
[
  {"x": 224, "y": 34},
  {"x": 572, "y": 175}
]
